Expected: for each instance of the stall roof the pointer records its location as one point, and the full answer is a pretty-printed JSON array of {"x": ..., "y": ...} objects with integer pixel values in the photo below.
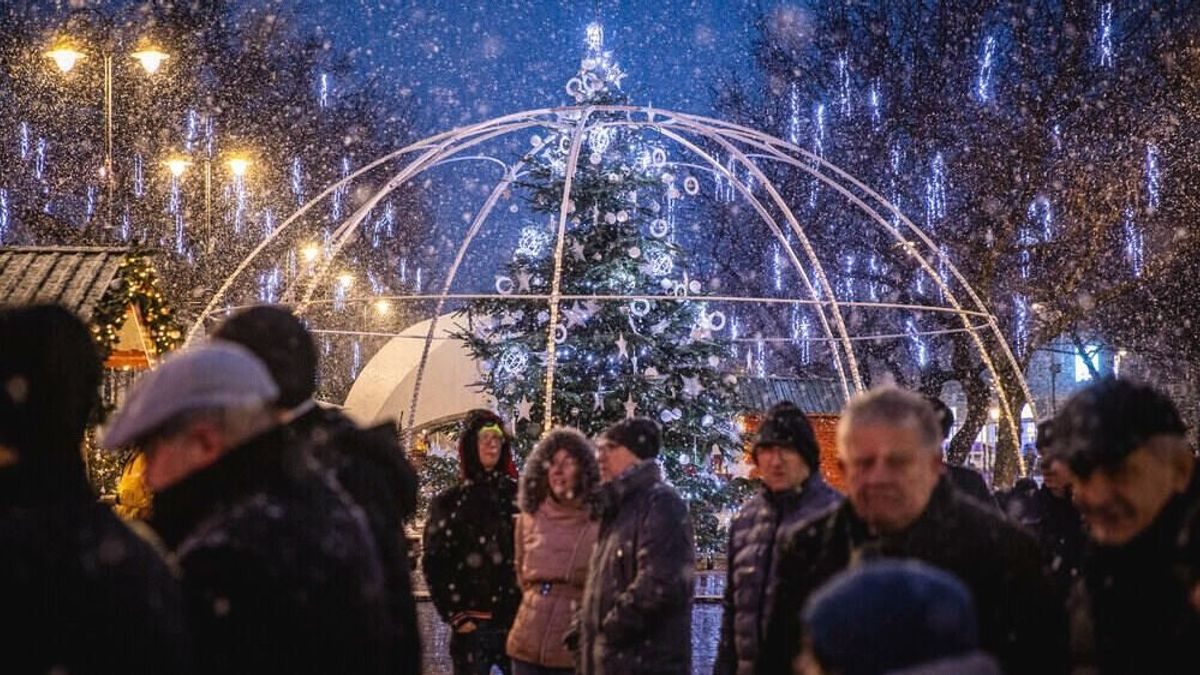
[
  {"x": 74, "y": 277},
  {"x": 814, "y": 397}
]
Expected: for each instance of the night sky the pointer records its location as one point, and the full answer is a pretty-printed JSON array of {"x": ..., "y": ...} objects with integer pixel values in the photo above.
[{"x": 467, "y": 61}]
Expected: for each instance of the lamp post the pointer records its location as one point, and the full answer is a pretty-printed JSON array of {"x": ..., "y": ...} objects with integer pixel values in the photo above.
[
  {"x": 65, "y": 56},
  {"x": 238, "y": 165}
]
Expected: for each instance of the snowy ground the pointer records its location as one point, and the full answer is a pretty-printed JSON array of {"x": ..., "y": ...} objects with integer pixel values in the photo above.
[{"x": 706, "y": 627}]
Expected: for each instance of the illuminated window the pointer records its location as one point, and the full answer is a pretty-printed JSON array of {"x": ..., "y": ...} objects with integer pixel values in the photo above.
[{"x": 1092, "y": 355}]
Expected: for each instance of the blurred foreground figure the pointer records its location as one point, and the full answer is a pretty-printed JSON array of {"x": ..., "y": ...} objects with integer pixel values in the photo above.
[
  {"x": 80, "y": 592},
  {"x": 637, "y": 605},
  {"x": 468, "y": 548},
  {"x": 368, "y": 463},
  {"x": 554, "y": 541},
  {"x": 279, "y": 573},
  {"x": 1135, "y": 482},
  {"x": 899, "y": 505},
  {"x": 893, "y": 617},
  {"x": 788, "y": 460}
]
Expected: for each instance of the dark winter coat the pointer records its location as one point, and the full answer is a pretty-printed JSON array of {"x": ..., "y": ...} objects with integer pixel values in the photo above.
[
  {"x": 372, "y": 468},
  {"x": 279, "y": 571},
  {"x": 1130, "y": 611},
  {"x": 1020, "y": 621},
  {"x": 1058, "y": 528},
  {"x": 755, "y": 537},
  {"x": 970, "y": 483},
  {"x": 80, "y": 592},
  {"x": 468, "y": 551},
  {"x": 637, "y": 604}
]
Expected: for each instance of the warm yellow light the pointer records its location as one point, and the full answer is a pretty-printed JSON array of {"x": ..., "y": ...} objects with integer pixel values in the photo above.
[
  {"x": 383, "y": 307},
  {"x": 150, "y": 58},
  {"x": 64, "y": 57},
  {"x": 310, "y": 252},
  {"x": 994, "y": 413},
  {"x": 346, "y": 279},
  {"x": 177, "y": 165},
  {"x": 238, "y": 166}
]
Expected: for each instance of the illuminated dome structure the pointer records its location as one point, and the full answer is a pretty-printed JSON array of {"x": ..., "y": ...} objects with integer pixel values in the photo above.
[{"x": 718, "y": 203}]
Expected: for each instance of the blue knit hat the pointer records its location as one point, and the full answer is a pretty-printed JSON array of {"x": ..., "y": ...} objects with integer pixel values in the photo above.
[{"x": 888, "y": 615}]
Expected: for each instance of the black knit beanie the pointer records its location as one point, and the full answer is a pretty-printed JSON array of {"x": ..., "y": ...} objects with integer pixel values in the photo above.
[
  {"x": 281, "y": 341},
  {"x": 640, "y": 434},
  {"x": 786, "y": 425}
]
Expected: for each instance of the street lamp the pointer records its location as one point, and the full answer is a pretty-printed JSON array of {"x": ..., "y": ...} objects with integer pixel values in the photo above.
[
  {"x": 238, "y": 165},
  {"x": 177, "y": 165},
  {"x": 65, "y": 56},
  {"x": 150, "y": 58}
]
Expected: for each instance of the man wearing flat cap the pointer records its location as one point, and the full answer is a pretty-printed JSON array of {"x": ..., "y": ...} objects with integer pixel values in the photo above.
[
  {"x": 637, "y": 605},
  {"x": 278, "y": 571},
  {"x": 1134, "y": 479},
  {"x": 788, "y": 460}
]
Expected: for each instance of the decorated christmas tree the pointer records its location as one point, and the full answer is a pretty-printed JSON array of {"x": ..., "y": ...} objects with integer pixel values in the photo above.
[{"x": 634, "y": 336}]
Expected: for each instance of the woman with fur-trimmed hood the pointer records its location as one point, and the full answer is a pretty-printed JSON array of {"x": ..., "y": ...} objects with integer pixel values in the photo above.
[
  {"x": 554, "y": 541},
  {"x": 468, "y": 547}
]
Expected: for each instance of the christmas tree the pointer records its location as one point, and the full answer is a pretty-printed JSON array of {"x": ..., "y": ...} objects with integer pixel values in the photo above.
[{"x": 652, "y": 352}]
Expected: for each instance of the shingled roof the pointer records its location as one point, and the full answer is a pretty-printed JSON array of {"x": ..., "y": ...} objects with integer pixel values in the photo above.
[
  {"x": 814, "y": 397},
  {"x": 75, "y": 277}
]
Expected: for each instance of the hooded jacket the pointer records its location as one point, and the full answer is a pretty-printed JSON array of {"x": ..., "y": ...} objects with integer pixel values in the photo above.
[
  {"x": 637, "y": 605},
  {"x": 468, "y": 541},
  {"x": 554, "y": 543},
  {"x": 756, "y": 536}
]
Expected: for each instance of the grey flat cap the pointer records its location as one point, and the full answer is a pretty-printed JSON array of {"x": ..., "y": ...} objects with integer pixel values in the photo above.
[{"x": 211, "y": 375}]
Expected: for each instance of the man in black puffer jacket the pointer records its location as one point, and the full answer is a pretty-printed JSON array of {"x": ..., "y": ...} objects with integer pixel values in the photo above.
[
  {"x": 787, "y": 457},
  {"x": 637, "y": 605},
  {"x": 468, "y": 548}
]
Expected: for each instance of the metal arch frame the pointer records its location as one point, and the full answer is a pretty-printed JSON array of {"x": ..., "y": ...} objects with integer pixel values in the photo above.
[{"x": 442, "y": 147}]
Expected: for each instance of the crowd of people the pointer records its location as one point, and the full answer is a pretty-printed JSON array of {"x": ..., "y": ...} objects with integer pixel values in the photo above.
[{"x": 274, "y": 540}]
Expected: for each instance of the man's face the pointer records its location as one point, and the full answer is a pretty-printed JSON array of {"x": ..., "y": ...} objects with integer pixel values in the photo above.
[
  {"x": 613, "y": 459},
  {"x": 491, "y": 444},
  {"x": 780, "y": 467},
  {"x": 1119, "y": 503},
  {"x": 171, "y": 458},
  {"x": 889, "y": 472},
  {"x": 1056, "y": 477}
]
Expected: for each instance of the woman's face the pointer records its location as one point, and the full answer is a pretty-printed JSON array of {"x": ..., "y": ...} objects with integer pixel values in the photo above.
[{"x": 564, "y": 476}]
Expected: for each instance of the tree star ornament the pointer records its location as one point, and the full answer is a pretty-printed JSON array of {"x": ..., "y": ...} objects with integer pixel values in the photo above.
[
  {"x": 623, "y": 346},
  {"x": 630, "y": 406},
  {"x": 523, "y": 281},
  {"x": 692, "y": 387},
  {"x": 524, "y": 408}
]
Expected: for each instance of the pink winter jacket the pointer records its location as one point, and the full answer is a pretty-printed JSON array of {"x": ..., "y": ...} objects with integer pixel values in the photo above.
[{"x": 553, "y": 547}]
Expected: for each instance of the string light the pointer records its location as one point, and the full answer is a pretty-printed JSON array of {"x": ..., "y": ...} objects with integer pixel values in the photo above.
[
  {"x": 1152, "y": 177},
  {"x": 983, "y": 85},
  {"x": 1106, "y": 44}
]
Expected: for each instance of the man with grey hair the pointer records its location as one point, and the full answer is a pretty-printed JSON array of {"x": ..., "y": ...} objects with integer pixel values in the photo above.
[
  {"x": 899, "y": 505},
  {"x": 278, "y": 570}
]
